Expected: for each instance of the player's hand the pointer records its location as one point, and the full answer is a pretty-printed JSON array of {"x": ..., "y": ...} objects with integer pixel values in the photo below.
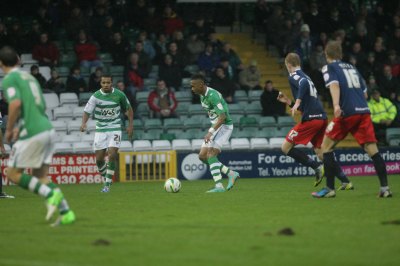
[
  {"x": 12, "y": 135},
  {"x": 129, "y": 130},
  {"x": 282, "y": 97},
  {"x": 83, "y": 128},
  {"x": 337, "y": 111},
  {"x": 294, "y": 109},
  {"x": 207, "y": 138},
  {"x": 3, "y": 152}
]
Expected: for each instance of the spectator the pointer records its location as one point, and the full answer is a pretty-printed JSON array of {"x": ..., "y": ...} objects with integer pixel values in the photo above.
[
  {"x": 170, "y": 73},
  {"x": 39, "y": 77},
  {"x": 388, "y": 84},
  {"x": 147, "y": 45},
  {"x": 394, "y": 61},
  {"x": 75, "y": 82},
  {"x": 76, "y": 22},
  {"x": 383, "y": 114},
  {"x": 358, "y": 53},
  {"x": 134, "y": 74},
  {"x": 95, "y": 78},
  {"x": 17, "y": 36},
  {"x": 305, "y": 47},
  {"x": 394, "y": 41},
  {"x": 314, "y": 19},
  {"x": 194, "y": 46},
  {"x": 215, "y": 42},
  {"x": 105, "y": 33},
  {"x": 230, "y": 73},
  {"x": 86, "y": 52},
  {"x": 97, "y": 23},
  {"x": 121, "y": 86},
  {"x": 379, "y": 50},
  {"x": 178, "y": 57},
  {"x": 46, "y": 52},
  {"x": 55, "y": 84},
  {"x": 371, "y": 85},
  {"x": 287, "y": 38},
  {"x": 275, "y": 25},
  {"x": 371, "y": 66},
  {"x": 249, "y": 78},
  {"x": 232, "y": 56},
  {"x": 119, "y": 49},
  {"x": 269, "y": 101},
  {"x": 138, "y": 13},
  {"x": 179, "y": 39},
  {"x": 33, "y": 36},
  {"x": 162, "y": 101},
  {"x": 171, "y": 21},
  {"x": 161, "y": 48},
  {"x": 221, "y": 83},
  {"x": 152, "y": 23},
  {"x": 208, "y": 60},
  {"x": 201, "y": 29},
  {"x": 317, "y": 59},
  {"x": 144, "y": 59}
]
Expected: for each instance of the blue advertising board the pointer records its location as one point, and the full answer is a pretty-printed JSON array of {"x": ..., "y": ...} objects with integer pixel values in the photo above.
[{"x": 273, "y": 163}]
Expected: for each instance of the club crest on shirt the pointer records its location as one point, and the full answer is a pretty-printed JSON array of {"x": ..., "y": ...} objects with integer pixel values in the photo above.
[
  {"x": 220, "y": 107},
  {"x": 11, "y": 92}
]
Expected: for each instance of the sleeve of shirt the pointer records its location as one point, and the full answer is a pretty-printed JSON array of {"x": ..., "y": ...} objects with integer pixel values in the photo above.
[
  {"x": 91, "y": 104},
  {"x": 304, "y": 87},
  {"x": 125, "y": 104},
  {"x": 216, "y": 101},
  {"x": 329, "y": 75},
  {"x": 11, "y": 92}
]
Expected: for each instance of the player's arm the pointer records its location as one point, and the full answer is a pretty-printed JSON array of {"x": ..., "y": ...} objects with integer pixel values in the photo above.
[
  {"x": 89, "y": 108},
  {"x": 335, "y": 93},
  {"x": 284, "y": 99},
  {"x": 129, "y": 129},
  {"x": 220, "y": 120},
  {"x": 2, "y": 149},
  {"x": 14, "y": 111}
]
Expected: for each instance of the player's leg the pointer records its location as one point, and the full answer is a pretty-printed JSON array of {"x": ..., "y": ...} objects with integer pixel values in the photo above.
[
  {"x": 112, "y": 161},
  {"x": 100, "y": 161},
  {"x": 3, "y": 195},
  {"x": 215, "y": 169},
  {"x": 380, "y": 167},
  {"x": 346, "y": 184},
  {"x": 329, "y": 161},
  {"x": 67, "y": 216}
]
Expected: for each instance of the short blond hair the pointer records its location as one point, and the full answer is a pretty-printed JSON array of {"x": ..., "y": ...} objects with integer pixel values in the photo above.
[
  {"x": 333, "y": 50},
  {"x": 293, "y": 59}
]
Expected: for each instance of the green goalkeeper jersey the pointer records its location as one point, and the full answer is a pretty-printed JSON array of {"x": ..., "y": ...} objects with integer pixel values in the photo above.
[
  {"x": 20, "y": 85},
  {"x": 214, "y": 104},
  {"x": 106, "y": 109}
]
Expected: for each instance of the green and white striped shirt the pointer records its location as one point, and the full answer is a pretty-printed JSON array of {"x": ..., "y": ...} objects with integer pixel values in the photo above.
[{"x": 107, "y": 108}]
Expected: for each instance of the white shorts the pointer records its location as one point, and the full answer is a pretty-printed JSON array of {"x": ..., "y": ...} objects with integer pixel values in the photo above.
[
  {"x": 104, "y": 140},
  {"x": 33, "y": 152},
  {"x": 219, "y": 137}
]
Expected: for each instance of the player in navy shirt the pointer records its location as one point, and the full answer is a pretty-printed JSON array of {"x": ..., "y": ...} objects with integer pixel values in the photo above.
[
  {"x": 352, "y": 115},
  {"x": 313, "y": 121}
]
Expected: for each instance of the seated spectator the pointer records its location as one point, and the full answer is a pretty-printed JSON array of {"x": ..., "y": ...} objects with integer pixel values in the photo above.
[
  {"x": 95, "y": 78},
  {"x": 171, "y": 21},
  {"x": 208, "y": 60},
  {"x": 178, "y": 56},
  {"x": 121, "y": 86},
  {"x": 105, "y": 33},
  {"x": 201, "y": 28},
  {"x": 144, "y": 59},
  {"x": 33, "y": 35},
  {"x": 394, "y": 61},
  {"x": 179, "y": 39},
  {"x": 162, "y": 101},
  {"x": 76, "y": 22},
  {"x": 371, "y": 85},
  {"x": 75, "y": 82},
  {"x": 304, "y": 46},
  {"x": 383, "y": 114},
  {"x": 388, "y": 84},
  {"x": 133, "y": 74},
  {"x": 148, "y": 47},
  {"x": 39, "y": 77},
  {"x": 249, "y": 78},
  {"x": 194, "y": 47},
  {"x": 161, "y": 48},
  {"x": 86, "y": 52},
  {"x": 119, "y": 49},
  {"x": 269, "y": 101},
  {"x": 228, "y": 69},
  {"x": 232, "y": 56},
  {"x": 152, "y": 21},
  {"x": 55, "y": 84},
  {"x": 224, "y": 85},
  {"x": 170, "y": 73},
  {"x": 46, "y": 52},
  {"x": 371, "y": 66},
  {"x": 215, "y": 42}
]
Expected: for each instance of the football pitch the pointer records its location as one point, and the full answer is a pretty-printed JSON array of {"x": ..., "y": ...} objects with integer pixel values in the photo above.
[{"x": 140, "y": 224}]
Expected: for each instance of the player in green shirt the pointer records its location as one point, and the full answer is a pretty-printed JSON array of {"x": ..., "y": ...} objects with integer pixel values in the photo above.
[
  {"x": 33, "y": 134},
  {"x": 106, "y": 106},
  {"x": 219, "y": 132}
]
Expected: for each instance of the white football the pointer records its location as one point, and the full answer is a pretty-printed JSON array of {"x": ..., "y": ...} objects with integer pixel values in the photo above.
[{"x": 172, "y": 185}]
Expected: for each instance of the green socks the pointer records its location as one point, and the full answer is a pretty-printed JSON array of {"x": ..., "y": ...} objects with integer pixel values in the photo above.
[
  {"x": 110, "y": 173},
  {"x": 34, "y": 185}
]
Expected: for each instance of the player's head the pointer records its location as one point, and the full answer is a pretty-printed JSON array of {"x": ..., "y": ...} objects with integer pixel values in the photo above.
[
  {"x": 106, "y": 83},
  {"x": 333, "y": 51},
  {"x": 292, "y": 61},
  {"x": 198, "y": 84},
  {"x": 8, "y": 57}
]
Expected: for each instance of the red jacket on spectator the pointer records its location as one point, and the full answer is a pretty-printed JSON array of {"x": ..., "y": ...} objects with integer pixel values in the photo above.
[
  {"x": 154, "y": 101},
  {"x": 86, "y": 51},
  {"x": 47, "y": 50}
]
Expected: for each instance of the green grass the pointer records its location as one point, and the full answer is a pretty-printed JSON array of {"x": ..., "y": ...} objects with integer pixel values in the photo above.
[{"x": 147, "y": 226}]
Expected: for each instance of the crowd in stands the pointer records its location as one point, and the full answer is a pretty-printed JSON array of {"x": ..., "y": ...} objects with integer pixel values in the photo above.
[{"x": 142, "y": 35}]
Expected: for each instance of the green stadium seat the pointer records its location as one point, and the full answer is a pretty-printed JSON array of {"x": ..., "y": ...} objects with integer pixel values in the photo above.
[
  {"x": 117, "y": 70},
  {"x": 63, "y": 71},
  {"x": 267, "y": 121},
  {"x": 183, "y": 96},
  {"x": 106, "y": 58},
  {"x": 392, "y": 133},
  {"x": 254, "y": 95},
  {"x": 285, "y": 121},
  {"x": 143, "y": 110},
  {"x": 241, "y": 95},
  {"x": 84, "y": 98},
  {"x": 138, "y": 124},
  {"x": 253, "y": 108},
  {"x": 235, "y": 108},
  {"x": 182, "y": 108},
  {"x": 85, "y": 71},
  {"x": 196, "y": 109},
  {"x": 137, "y": 134},
  {"x": 236, "y": 119},
  {"x": 196, "y": 122},
  {"x": 192, "y": 68},
  {"x": 142, "y": 96},
  {"x": 246, "y": 122},
  {"x": 172, "y": 123},
  {"x": 167, "y": 136},
  {"x": 152, "y": 134},
  {"x": 152, "y": 123},
  {"x": 245, "y": 133}
]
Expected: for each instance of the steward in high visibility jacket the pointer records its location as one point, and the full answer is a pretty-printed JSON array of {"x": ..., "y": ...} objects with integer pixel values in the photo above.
[{"x": 382, "y": 110}]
